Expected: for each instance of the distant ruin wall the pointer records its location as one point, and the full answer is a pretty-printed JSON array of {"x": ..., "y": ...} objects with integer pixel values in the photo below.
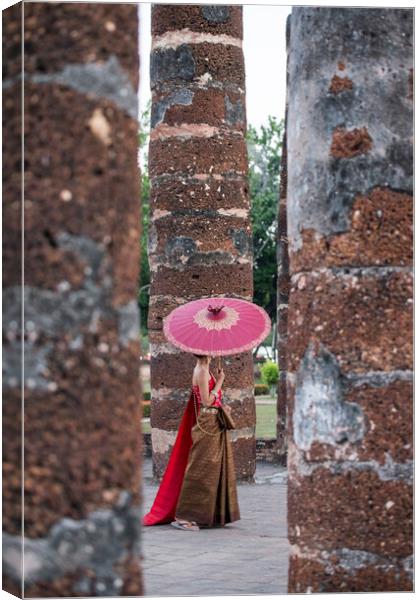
[
  {"x": 349, "y": 215},
  {"x": 283, "y": 284}
]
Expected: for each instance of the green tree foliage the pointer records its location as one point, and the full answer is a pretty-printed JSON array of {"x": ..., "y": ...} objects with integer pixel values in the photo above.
[
  {"x": 264, "y": 151},
  {"x": 270, "y": 373},
  {"x": 144, "y": 283}
]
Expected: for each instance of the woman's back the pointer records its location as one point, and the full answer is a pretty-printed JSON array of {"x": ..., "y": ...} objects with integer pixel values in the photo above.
[{"x": 212, "y": 383}]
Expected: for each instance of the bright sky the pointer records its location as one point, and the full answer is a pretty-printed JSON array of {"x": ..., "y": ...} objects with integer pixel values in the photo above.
[{"x": 265, "y": 60}]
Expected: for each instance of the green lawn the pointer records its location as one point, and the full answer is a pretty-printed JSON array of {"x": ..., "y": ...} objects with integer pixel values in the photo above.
[{"x": 266, "y": 421}]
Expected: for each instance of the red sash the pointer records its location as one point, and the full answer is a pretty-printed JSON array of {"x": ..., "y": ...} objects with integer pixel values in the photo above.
[{"x": 163, "y": 508}]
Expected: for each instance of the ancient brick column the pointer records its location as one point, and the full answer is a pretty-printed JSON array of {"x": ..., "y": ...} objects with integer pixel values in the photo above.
[
  {"x": 350, "y": 128},
  {"x": 283, "y": 284},
  {"x": 200, "y": 241},
  {"x": 12, "y": 201},
  {"x": 81, "y": 241}
]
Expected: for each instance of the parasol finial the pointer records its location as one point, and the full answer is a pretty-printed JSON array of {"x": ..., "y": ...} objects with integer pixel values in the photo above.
[{"x": 215, "y": 309}]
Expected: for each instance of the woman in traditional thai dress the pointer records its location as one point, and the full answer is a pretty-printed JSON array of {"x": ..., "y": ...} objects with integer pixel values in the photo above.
[{"x": 198, "y": 488}]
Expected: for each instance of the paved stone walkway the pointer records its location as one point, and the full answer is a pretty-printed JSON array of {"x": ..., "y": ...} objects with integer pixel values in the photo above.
[{"x": 249, "y": 556}]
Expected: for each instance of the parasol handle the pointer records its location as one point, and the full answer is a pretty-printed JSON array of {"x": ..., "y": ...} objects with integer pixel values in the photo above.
[{"x": 219, "y": 362}]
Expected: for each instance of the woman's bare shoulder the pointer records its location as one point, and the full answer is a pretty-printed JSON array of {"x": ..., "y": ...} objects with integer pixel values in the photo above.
[{"x": 200, "y": 376}]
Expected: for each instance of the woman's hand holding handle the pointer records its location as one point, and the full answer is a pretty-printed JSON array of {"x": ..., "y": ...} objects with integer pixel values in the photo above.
[
  {"x": 219, "y": 382},
  {"x": 221, "y": 376}
]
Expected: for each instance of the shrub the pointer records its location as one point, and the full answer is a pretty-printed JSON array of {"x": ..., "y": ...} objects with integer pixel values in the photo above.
[
  {"x": 146, "y": 396},
  {"x": 146, "y": 410},
  {"x": 260, "y": 389},
  {"x": 270, "y": 373}
]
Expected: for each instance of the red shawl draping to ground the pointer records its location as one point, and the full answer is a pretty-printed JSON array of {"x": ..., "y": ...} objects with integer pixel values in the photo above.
[{"x": 163, "y": 508}]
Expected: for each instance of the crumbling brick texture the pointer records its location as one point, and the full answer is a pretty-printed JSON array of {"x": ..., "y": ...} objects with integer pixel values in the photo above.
[
  {"x": 200, "y": 239},
  {"x": 350, "y": 313},
  {"x": 82, "y": 445}
]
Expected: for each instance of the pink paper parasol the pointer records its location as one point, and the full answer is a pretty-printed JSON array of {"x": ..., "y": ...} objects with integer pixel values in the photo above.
[{"x": 217, "y": 326}]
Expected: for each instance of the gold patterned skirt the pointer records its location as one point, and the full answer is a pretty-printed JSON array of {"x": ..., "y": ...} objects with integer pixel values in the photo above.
[{"x": 208, "y": 494}]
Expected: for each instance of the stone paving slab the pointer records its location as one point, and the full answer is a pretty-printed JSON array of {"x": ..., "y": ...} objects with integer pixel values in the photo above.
[{"x": 247, "y": 557}]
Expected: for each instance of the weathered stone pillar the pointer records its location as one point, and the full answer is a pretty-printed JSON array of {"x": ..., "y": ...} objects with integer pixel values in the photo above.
[
  {"x": 81, "y": 428},
  {"x": 12, "y": 409},
  {"x": 200, "y": 241},
  {"x": 349, "y": 217},
  {"x": 283, "y": 284}
]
